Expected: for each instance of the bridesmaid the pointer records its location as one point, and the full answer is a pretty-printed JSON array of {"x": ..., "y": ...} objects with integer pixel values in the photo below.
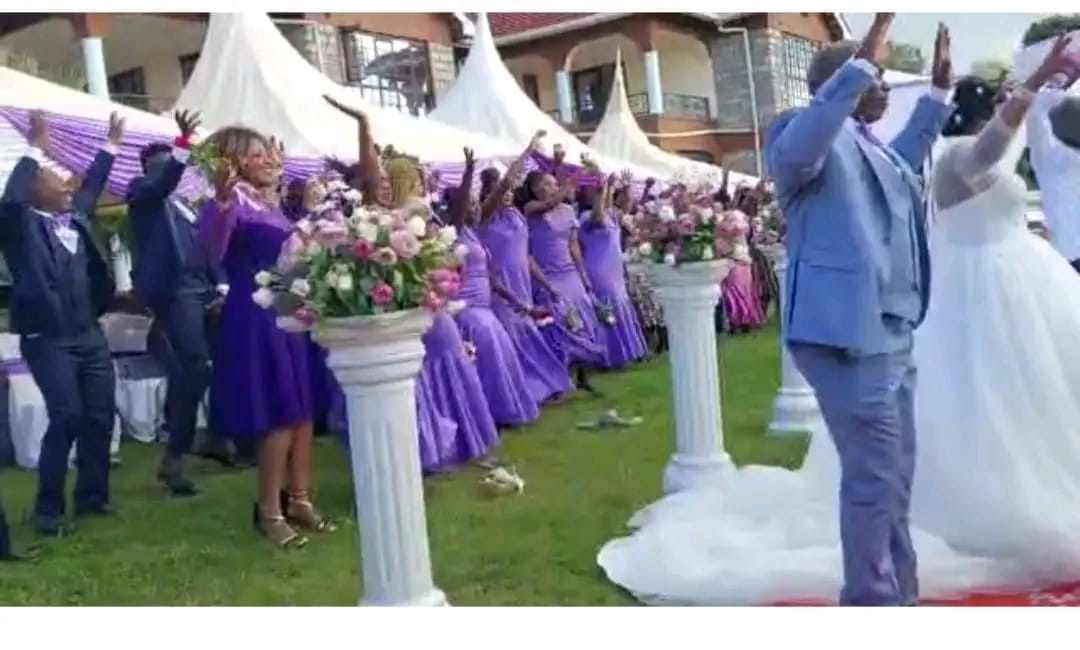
[
  {"x": 562, "y": 282},
  {"x": 504, "y": 234},
  {"x": 497, "y": 363},
  {"x": 742, "y": 304},
  {"x": 600, "y": 237},
  {"x": 263, "y": 382},
  {"x": 454, "y": 421}
]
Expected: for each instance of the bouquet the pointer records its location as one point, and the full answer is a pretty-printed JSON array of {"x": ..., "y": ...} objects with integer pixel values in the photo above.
[
  {"x": 349, "y": 259},
  {"x": 543, "y": 316},
  {"x": 206, "y": 157},
  {"x": 664, "y": 233},
  {"x": 573, "y": 319},
  {"x": 469, "y": 349},
  {"x": 605, "y": 313}
]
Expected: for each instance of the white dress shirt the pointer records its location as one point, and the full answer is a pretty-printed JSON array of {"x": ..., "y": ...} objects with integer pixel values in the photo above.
[{"x": 1057, "y": 168}]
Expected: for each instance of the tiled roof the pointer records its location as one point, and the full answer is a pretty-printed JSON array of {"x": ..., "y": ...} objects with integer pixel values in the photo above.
[{"x": 505, "y": 24}]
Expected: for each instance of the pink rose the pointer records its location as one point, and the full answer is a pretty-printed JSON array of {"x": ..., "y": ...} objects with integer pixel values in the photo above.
[
  {"x": 362, "y": 249},
  {"x": 305, "y": 315},
  {"x": 684, "y": 226},
  {"x": 291, "y": 251},
  {"x": 382, "y": 293},
  {"x": 405, "y": 244},
  {"x": 384, "y": 256},
  {"x": 331, "y": 234}
]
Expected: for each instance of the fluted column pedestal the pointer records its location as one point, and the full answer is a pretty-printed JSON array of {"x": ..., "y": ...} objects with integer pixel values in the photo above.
[
  {"x": 795, "y": 408},
  {"x": 688, "y": 295},
  {"x": 376, "y": 360}
]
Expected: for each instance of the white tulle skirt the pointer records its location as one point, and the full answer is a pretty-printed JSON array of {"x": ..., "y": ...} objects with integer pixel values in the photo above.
[{"x": 996, "y": 501}]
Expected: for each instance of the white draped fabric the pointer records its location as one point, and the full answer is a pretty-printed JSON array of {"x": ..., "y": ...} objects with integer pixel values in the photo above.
[
  {"x": 248, "y": 73},
  {"x": 486, "y": 99}
]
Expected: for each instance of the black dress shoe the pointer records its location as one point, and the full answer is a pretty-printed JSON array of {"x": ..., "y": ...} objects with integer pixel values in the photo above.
[
  {"x": 53, "y": 527},
  {"x": 104, "y": 510},
  {"x": 177, "y": 485}
]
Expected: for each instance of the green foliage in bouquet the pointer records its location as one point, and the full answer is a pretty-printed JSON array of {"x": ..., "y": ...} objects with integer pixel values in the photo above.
[{"x": 207, "y": 156}]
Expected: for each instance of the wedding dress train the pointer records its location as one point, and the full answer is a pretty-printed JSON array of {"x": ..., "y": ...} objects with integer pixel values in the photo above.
[{"x": 996, "y": 500}]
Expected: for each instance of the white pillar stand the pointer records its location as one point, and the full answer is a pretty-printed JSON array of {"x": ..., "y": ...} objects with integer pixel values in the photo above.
[
  {"x": 376, "y": 360},
  {"x": 97, "y": 76},
  {"x": 795, "y": 408},
  {"x": 121, "y": 263},
  {"x": 688, "y": 295},
  {"x": 654, "y": 89}
]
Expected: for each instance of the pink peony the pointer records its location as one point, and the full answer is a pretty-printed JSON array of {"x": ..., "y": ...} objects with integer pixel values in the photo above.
[
  {"x": 382, "y": 293},
  {"x": 405, "y": 244},
  {"x": 362, "y": 249},
  {"x": 384, "y": 256}
]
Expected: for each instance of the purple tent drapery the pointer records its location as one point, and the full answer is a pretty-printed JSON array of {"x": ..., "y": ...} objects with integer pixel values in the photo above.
[{"x": 76, "y": 140}]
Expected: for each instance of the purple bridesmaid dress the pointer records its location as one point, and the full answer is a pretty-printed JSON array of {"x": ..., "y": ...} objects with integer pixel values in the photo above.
[
  {"x": 450, "y": 387},
  {"x": 263, "y": 379},
  {"x": 497, "y": 364},
  {"x": 601, "y": 247},
  {"x": 506, "y": 238},
  {"x": 549, "y": 245}
]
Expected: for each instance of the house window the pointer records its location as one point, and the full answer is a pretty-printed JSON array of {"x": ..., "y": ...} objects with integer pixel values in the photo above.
[
  {"x": 389, "y": 71},
  {"x": 698, "y": 155},
  {"x": 797, "y": 52},
  {"x": 129, "y": 87},
  {"x": 592, "y": 86},
  {"x": 187, "y": 66},
  {"x": 531, "y": 85}
]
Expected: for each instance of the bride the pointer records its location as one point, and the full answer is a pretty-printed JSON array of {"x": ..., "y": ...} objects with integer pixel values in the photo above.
[{"x": 997, "y": 486}]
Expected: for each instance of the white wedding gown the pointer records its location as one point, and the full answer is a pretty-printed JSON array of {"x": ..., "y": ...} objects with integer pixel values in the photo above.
[{"x": 996, "y": 500}]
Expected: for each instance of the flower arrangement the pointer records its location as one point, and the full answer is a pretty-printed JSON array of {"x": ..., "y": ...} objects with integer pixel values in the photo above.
[
  {"x": 207, "y": 157},
  {"x": 349, "y": 259},
  {"x": 469, "y": 350},
  {"x": 605, "y": 313},
  {"x": 662, "y": 234}
]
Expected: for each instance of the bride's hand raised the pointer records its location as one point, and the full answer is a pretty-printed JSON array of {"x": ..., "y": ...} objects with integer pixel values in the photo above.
[{"x": 1057, "y": 61}]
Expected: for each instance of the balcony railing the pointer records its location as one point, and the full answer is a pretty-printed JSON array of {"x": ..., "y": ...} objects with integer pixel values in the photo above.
[{"x": 148, "y": 103}]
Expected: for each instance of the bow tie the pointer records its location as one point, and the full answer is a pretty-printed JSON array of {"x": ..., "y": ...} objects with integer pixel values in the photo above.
[{"x": 60, "y": 220}]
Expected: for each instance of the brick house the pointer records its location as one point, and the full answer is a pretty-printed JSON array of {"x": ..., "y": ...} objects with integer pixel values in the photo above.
[{"x": 685, "y": 74}]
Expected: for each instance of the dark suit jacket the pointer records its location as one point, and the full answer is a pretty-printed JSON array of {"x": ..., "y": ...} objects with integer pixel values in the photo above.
[
  {"x": 159, "y": 256},
  {"x": 24, "y": 241}
]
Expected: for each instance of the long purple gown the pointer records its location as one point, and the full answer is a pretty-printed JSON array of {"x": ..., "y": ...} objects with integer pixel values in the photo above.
[
  {"x": 450, "y": 386},
  {"x": 549, "y": 245},
  {"x": 506, "y": 238},
  {"x": 601, "y": 247},
  {"x": 262, "y": 380},
  {"x": 497, "y": 363}
]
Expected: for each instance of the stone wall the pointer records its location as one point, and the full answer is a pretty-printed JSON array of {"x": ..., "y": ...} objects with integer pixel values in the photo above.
[
  {"x": 320, "y": 44},
  {"x": 443, "y": 68},
  {"x": 734, "y": 106}
]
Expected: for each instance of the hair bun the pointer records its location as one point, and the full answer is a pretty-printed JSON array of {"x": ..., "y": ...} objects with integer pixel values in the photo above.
[{"x": 975, "y": 101}]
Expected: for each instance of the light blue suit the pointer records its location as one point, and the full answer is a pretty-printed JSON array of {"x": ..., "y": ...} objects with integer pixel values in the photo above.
[{"x": 857, "y": 285}]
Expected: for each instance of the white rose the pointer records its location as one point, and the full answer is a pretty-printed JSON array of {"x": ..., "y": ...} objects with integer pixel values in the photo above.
[
  {"x": 263, "y": 278},
  {"x": 669, "y": 259},
  {"x": 312, "y": 249},
  {"x": 707, "y": 254},
  {"x": 461, "y": 251},
  {"x": 385, "y": 219},
  {"x": 353, "y": 196},
  {"x": 305, "y": 226},
  {"x": 417, "y": 226},
  {"x": 667, "y": 213},
  {"x": 645, "y": 249},
  {"x": 367, "y": 231},
  {"x": 448, "y": 235},
  {"x": 263, "y": 297},
  {"x": 337, "y": 185},
  {"x": 344, "y": 283},
  {"x": 300, "y": 287},
  {"x": 707, "y": 215}
]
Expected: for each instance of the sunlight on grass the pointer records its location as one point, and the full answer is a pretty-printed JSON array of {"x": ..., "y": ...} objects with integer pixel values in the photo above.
[{"x": 538, "y": 548}]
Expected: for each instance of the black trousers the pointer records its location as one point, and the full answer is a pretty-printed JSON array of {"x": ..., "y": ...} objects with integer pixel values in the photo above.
[
  {"x": 1076, "y": 265},
  {"x": 178, "y": 340},
  {"x": 78, "y": 382}
]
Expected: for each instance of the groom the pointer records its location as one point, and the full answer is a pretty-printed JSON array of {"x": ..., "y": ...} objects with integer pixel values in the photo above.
[{"x": 857, "y": 287}]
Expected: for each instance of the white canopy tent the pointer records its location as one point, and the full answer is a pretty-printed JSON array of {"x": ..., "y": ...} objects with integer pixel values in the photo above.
[
  {"x": 905, "y": 90},
  {"x": 249, "y": 73},
  {"x": 486, "y": 99},
  {"x": 620, "y": 136}
]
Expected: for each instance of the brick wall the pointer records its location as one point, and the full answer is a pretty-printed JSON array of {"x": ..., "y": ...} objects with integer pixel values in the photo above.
[{"x": 320, "y": 44}]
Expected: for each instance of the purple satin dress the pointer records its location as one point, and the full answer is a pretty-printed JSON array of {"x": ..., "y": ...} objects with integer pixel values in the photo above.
[
  {"x": 506, "y": 238},
  {"x": 549, "y": 245},
  {"x": 450, "y": 386},
  {"x": 601, "y": 246},
  {"x": 497, "y": 363},
  {"x": 262, "y": 379}
]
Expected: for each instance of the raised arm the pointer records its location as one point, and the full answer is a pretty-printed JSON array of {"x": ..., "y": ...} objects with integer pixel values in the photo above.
[
  {"x": 495, "y": 196},
  {"x": 93, "y": 186},
  {"x": 366, "y": 177},
  {"x": 603, "y": 201},
  {"x": 220, "y": 216},
  {"x": 164, "y": 179},
  {"x": 1040, "y": 134},
  {"x": 462, "y": 198},
  {"x": 917, "y": 138}
]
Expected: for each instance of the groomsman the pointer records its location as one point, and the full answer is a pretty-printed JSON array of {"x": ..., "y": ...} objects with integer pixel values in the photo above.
[
  {"x": 177, "y": 287},
  {"x": 61, "y": 285}
]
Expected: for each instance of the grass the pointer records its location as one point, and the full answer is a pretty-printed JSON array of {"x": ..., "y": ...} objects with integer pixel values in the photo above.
[{"x": 538, "y": 548}]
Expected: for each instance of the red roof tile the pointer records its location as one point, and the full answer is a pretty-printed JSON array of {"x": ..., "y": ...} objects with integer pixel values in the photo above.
[{"x": 505, "y": 24}]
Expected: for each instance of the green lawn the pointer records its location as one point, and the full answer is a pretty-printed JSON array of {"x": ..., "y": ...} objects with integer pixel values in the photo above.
[{"x": 538, "y": 548}]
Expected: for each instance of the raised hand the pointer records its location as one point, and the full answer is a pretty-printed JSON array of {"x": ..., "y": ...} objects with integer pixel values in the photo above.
[
  {"x": 39, "y": 130},
  {"x": 1057, "y": 62},
  {"x": 116, "y": 129},
  {"x": 941, "y": 66},
  {"x": 875, "y": 45},
  {"x": 558, "y": 154},
  {"x": 534, "y": 144},
  {"x": 225, "y": 180},
  {"x": 187, "y": 122},
  {"x": 470, "y": 157},
  {"x": 359, "y": 116}
]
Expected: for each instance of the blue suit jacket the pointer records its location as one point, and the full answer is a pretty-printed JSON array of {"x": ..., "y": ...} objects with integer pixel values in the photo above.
[
  {"x": 842, "y": 202},
  {"x": 24, "y": 241},
  {"x": 159, "y": 256}
]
